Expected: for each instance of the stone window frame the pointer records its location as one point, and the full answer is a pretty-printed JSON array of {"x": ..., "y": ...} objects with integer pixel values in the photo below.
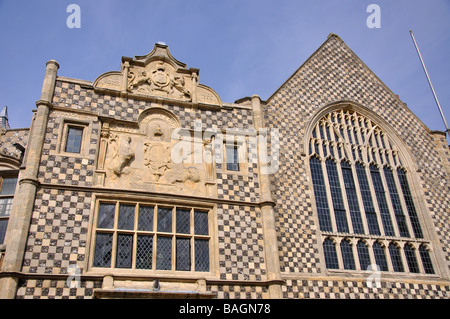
[
  {"x": 240, "y": 140},
  {"x": 149, "y": 201},
  {"x": 320, "y": 147},
  {"x": 67, "y": 123}
]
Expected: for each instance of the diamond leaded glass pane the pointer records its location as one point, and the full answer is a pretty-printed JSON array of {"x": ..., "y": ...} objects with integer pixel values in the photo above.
[
  {"x": 201, "y": 255},
  {"x": 183, "y": 221},
  {"x": 126, "y": 217},
  {"x": 164, "y": 219},
  {"x": 144, "y": 252},
  {"x": 8, "y": 186},
  {"x": 103, "y": 250},
  {"x": 183, "y": 250},
  {"x": 106, "y": 216},
  {"x": 124, "y": 251},
  {"x": 145, "y": 219},
  {"x": 164, "y": 253},
  {"x": 201, "y": 223}
]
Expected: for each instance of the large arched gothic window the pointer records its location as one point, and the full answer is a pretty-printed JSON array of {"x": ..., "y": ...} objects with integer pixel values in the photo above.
[{"x": 363, "y": 198}]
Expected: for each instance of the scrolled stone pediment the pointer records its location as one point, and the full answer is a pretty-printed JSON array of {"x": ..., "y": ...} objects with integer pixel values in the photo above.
[{"x": 157, "y": 75}]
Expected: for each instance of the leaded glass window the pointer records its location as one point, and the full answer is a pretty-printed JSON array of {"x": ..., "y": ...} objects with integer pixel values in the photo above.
[
  {"x": 347, "y": 255},
  {"x": 320, "y": 194},
  {"x": 74, "y": 139},
  {"x": 380, "y": 256},
  {"x": 363, "y": 255},
  {"x": 329, "y": 249},
  {"x": 426, "y": 260},
  {"x": 394, "y": 252},
  {"x": 361, "y": 187},
  {"x": 151, "y": 237},
  {"x": 411, "y": 259},
  {"x": 7, "y": 190}
]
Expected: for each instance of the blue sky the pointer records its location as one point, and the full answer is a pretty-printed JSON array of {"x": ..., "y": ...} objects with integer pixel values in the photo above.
[{"x": 241, "y": 47}]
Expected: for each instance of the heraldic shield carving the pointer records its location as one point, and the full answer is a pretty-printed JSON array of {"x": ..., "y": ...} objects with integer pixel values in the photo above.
[
  {"x": 141, "y": 157},
  {"x": 157, "y": 75}
]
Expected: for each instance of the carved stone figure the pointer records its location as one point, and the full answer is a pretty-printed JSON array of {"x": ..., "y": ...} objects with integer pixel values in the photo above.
[{"x": 122, "y": 154}]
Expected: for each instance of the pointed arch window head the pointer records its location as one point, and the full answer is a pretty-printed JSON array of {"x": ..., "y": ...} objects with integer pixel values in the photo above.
[{"x": 361, "y": 188}]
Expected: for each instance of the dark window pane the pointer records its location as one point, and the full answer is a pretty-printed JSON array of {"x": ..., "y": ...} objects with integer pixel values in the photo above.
[
  {"x": 201, "y": 255},
  {"x": 352, "y": 198},
  {"x": 426, "y": 260},
  {"x": 124, "y": 251},
  {"x": 382, "y": 204},
  {"x": 363, "y": 255},
  {"x": 3, "y": 227},
  {"x": 347, "y": 255},
  {"x": 371, "y": 216},
  {"x": 411, "y": 259},
  {"x": 106, "y": 216},
  {"x": 394, "y": 251},
  {"x": 164, "y": 219},
  {"x": 126, "y": 217},
  {"x": 200, "y": 222},
  {"x": 183, "y": 221},
  {"x": 380, "y": 256},
  {"x": 8, "y": 186},
  {"x": 164, "y": 253},
  {"x": 5, "y": 206},
  {"x": 183, "y": 251},
  {"x": 74, "y": 136},
  {"x": 145, "y": 219},
  {"x": 336, "y": 196},
  {"x": 395, "y": 199},
  {"x": 103, "y": 250},
  {"x": 320, "y": 194},
  {"x": 329, "y": 249},
  {"x": 232, "y": 158},
  {"x": 409, "y": 203},
  {"x": 144, "y": 252}
]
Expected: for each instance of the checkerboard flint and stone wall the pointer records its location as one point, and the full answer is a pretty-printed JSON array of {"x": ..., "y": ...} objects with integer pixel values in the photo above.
[
  {"x": 60, "y": 221},
  {"x": 334, "y": 73}
]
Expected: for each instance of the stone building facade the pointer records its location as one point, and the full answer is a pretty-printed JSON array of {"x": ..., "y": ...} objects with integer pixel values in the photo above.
[{"x": 145, "y": 184}]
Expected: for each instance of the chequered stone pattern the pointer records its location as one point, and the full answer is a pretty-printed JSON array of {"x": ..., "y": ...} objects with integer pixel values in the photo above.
[
  {"x": 74, "y": 96},
  {"x": 334, "y": 73},
  {"x": 55, "y": 289},
  {"x": 9, "y": 137},
  {"x": 239, "y": 291},
  {"x": 58, "y": 232},
  {"x": 341, "y": 289},
  {"x": 241, "y": 243},
  {"x": 56, "y": 168}
]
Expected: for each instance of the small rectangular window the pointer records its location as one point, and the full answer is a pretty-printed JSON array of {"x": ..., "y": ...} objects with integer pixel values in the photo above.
[
  {"x": 74, "y": 139},
  {"x": 232, "y": 157}
]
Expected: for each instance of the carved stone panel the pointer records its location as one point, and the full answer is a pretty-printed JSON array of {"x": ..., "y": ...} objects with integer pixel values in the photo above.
[{"x": 140, "y": 158}]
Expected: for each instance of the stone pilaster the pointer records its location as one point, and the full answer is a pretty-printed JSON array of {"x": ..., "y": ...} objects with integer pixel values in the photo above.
[
  {"x": 23, "y": 204},
  {"x": 267, "y": 213}
]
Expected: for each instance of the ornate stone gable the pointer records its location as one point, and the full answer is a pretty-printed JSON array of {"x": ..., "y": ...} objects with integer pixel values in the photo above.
[{"x": 157, "y": 75}]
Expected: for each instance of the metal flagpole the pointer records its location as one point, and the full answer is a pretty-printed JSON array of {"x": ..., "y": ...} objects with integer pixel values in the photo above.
[{"x": 431, "y": 85}]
